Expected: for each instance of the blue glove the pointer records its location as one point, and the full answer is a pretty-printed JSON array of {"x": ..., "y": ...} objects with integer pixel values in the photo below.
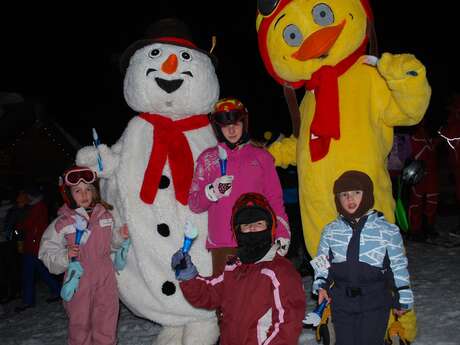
[
  {"x": 183, "y": 265},
  {"x": 121, "y": 254},
  {"x": 74, "y": 272}
]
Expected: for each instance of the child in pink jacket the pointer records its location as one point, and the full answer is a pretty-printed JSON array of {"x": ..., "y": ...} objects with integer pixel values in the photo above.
[
  {"x": 93, "y": 307},
  {"x": 225, "y": 172}
]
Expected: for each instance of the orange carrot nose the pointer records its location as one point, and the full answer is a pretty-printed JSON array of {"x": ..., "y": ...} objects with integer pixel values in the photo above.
[
  {"x": 318, "y": 43},
  {"x": 170, "y": 65}
]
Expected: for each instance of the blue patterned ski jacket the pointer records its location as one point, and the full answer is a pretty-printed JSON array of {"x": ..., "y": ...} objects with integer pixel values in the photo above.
[{"x": 378, "y": 237}]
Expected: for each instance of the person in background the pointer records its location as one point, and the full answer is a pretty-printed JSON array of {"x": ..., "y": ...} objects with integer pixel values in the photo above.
[
  {"x": 297, "y": 252},
  {"x": 93, "y": 308},
  {"x": 398, "y": 157},
  {"x": 450, "y": 134},
  {"x": 14, "y": 246},
  {"x": 361, "y": 266},
  {"x": 424, "y": 196},
  {"x": 259, "y": 293},
  {"x": 5, "y": 256},
  {"x": 248, "y": 169},
  {"x": 32, "y": 226}
]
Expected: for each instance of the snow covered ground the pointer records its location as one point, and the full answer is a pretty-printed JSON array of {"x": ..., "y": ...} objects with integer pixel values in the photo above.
[{"x": 435, "y": 277}]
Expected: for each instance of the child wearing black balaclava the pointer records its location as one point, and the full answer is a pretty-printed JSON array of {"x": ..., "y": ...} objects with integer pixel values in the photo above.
[
  {"x": 259, "y": 293},
  {"x": 253, "y": 225},
  {"x": 361, "y": 267}
]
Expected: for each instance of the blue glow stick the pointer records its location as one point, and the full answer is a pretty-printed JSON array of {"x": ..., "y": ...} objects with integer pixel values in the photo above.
[
  {"x": 96, "y": 143},
  {"x": 314, "y": 318},
  {"x": 190, "y": 233},
  {"x": 222, "y": 160},
  {"x": 78, "y": 235}
]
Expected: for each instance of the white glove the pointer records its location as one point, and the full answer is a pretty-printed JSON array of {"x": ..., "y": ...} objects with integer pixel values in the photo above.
[
  {"x": 80, "y": 222},
  {"x": 87, "y": 156},
  {"x": 283, "y": 245},
  {"x": 221, "y": 187}
]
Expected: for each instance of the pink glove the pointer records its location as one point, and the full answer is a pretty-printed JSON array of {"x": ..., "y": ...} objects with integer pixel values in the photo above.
[{"x": 221, "y": 187}]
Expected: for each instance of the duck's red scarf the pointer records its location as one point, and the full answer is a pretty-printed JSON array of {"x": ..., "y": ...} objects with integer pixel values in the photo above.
[{"x": 326, "y": 121}]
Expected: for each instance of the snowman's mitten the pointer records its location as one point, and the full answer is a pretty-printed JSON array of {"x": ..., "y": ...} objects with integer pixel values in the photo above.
[{"x": 87, "y": 156}]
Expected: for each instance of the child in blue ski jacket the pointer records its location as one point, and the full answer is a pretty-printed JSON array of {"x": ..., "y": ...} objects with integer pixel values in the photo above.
[{"x": 361, "y": 266}]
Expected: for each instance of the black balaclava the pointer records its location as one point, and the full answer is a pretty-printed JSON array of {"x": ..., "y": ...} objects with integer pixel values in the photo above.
[
  {"x": 252, "y": 246},
  {"x": 354, "y": 180}
]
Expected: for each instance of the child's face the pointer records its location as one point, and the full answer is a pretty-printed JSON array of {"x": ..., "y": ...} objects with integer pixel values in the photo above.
[
  {"x": 233, "y": 131},
  {"x": 260, "y": 225},
  {"x": 351, "y": 200},
  {"x": 83, "y": 194}
]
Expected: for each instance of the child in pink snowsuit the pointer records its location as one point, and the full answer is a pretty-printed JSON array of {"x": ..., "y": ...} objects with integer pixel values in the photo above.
[
  {"x": 247, "y": 169},
  {"x": 93, "y": 308}
]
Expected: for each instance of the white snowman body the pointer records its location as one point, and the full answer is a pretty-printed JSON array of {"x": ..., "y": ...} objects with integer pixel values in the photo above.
[{"x": 147, "y": 284}]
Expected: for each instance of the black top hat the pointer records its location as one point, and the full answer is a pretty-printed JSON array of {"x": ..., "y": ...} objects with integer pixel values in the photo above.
[{"x": 169, "y": 30}]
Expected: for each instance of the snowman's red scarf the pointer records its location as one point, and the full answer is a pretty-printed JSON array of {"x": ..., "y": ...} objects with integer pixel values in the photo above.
[
  {"x": 326, "y": 121},
  {"x": 169, "y": 142}
]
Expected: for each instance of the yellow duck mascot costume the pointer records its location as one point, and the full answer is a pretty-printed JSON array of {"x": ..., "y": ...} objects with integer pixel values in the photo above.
[{"x": 354, "y": 102}]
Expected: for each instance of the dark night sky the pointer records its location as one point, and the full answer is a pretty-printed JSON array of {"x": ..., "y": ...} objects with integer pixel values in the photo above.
[{"x": 67, "y": 57}]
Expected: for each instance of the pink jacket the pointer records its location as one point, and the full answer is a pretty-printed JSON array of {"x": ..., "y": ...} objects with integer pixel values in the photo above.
[
  {"x": 253, "y": 170},
  {"x": 93, "y": 309},
  {"x": 96, "y": 244}
]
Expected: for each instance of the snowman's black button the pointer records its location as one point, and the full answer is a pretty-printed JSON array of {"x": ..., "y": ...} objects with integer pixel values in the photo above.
[
  {"x": 168, "y": 288},
  {"x": 164, "y": 182},
  {"x": 163, "y": 229}
]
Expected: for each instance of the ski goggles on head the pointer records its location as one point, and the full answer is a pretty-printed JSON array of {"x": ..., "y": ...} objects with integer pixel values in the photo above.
[
  {"x": 225, "y": 118},
  {"x": 76, "y": 175}
]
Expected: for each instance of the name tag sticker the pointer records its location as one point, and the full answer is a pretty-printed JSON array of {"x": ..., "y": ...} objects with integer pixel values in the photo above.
[
  {"x": 320, "y": 263},
  {"x": 106, "y": 222}
]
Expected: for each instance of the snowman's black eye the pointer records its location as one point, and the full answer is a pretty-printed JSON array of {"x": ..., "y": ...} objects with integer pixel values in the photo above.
[
  {"x": 185, "y": 55},
  {"x": 155, "y": 52}
]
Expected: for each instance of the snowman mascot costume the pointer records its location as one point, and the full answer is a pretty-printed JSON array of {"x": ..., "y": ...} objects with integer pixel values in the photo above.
[{"x": 147, "y": 174}]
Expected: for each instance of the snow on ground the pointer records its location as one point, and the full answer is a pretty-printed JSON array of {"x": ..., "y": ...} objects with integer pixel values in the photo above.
[{"x": 435, "y": 278}]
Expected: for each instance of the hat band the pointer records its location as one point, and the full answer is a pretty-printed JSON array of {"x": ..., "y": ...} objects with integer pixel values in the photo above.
[{"x": 176, "y": 40}]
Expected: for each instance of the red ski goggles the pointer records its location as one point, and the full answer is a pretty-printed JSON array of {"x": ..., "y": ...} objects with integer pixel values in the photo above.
[{"x": 76, "y": 175}]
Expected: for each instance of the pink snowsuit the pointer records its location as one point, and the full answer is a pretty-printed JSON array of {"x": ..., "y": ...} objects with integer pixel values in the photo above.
[
  {"x": 93, "y": 309},
  {"x": 253, "y": 170}
]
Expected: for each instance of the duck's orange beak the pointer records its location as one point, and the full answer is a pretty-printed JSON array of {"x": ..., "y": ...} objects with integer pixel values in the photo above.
[{"x": 318, "y": 43}]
